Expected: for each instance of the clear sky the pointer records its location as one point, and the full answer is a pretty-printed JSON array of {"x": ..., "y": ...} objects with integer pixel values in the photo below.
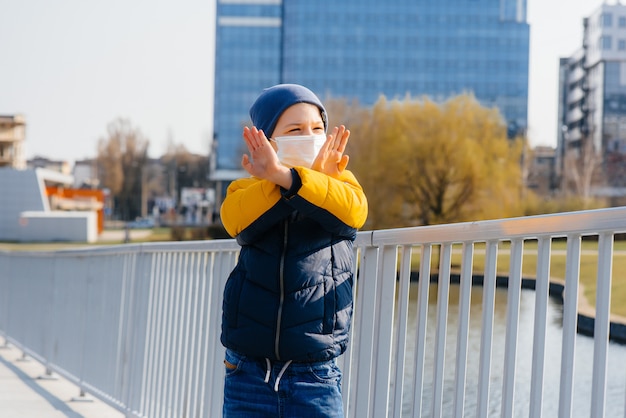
[{"x": 71, "y": 67}]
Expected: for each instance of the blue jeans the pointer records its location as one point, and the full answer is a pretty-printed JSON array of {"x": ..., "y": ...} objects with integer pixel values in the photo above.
[{"x": 304, "y": 389}]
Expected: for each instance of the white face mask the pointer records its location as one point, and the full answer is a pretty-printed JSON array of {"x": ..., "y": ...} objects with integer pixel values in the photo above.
[{"x": 299, "y": 150}]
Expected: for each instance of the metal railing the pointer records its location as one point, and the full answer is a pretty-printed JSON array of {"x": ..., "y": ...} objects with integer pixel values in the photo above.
[{"x": 138, "y": 325}]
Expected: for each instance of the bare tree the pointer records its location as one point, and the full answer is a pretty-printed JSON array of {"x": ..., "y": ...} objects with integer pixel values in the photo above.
[
  {"x": 580, "y": 169},
  {"x": 122, "y": 157}
]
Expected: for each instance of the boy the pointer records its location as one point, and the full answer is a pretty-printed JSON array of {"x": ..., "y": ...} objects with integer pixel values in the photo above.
[{"x": 288, "y": 302}]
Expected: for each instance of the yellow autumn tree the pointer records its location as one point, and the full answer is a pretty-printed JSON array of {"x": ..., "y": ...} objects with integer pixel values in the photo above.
[{"x": 424, "y": 163}]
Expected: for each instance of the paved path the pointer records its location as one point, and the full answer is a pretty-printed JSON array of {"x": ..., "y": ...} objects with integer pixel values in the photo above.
[{"x": 25, "y": 394}]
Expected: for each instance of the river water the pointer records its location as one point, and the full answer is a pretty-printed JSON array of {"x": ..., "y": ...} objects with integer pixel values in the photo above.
[{"x": 616, "y": 374}]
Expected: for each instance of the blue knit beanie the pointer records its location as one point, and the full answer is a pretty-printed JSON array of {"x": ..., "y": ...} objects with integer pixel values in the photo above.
[{"x": 273, "y": 101}]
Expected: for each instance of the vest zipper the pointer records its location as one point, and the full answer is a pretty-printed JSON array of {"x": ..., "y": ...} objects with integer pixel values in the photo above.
[{"x": 281, "y": 279}]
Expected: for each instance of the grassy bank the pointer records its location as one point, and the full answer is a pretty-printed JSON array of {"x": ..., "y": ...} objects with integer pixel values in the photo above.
[
  {"x": 588, "y": 267},
  {"x": 109, "y": 237}
]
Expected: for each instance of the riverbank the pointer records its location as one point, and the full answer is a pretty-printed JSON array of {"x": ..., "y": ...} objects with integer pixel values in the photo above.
[{"x": 586, "y": 312}]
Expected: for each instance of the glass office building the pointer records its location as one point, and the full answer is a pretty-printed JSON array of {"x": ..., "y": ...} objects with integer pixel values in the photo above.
[{"x": 361, "y": 49}]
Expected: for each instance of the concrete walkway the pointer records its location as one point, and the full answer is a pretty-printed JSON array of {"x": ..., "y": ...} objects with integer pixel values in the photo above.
[{"x": 25, "y": 392}]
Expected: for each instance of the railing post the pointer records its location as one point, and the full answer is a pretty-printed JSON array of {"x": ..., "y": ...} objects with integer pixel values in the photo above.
[
  {"x": 404, "y": 287},
  {"x": 467, "y": 265},
  {"x": 570, "y": 316},
  {"x": 388, "y": 261},
  {"x": 601, "y": 324},
  {"x": 365, "y": 337},
  {"x": 542, "y": 287},
  {"x": 420, "y": 335},
  {"x": 512, "y": 325},
  {"x": 489, "y": 290},
  {"x": 443, "y": 287}
]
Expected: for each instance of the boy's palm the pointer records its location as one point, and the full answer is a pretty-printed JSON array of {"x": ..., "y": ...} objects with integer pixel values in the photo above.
[
  {"x": 263, "y": 159},
  {"x": 331, "y": 159}
]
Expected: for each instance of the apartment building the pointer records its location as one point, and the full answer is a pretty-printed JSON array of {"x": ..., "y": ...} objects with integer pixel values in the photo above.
[
  {"x": 591, "y": 146},
  {"x": 12, "y": 135}
]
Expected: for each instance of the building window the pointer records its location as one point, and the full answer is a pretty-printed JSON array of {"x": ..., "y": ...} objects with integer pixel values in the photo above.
[
  {"x": 606, "y": 20},
  {"x": 605, "y": 43},
  {"x": 621, "y": 44},
  {"x": 622, "y": 22}
]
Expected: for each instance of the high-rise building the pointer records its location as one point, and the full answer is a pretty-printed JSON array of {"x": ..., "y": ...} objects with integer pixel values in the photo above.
[
  {"x": 591, "y": 148},
  {"x": 362, "y": 49}
]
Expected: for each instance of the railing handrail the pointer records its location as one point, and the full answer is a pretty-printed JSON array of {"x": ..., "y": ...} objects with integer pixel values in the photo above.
[{"x": 527, "y": 227}]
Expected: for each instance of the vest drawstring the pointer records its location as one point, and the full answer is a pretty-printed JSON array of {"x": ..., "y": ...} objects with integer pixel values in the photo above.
[
  {"x": 282, "y": 371},
  {"x": 280, "y": 374},
  {"x": 269, "y": 369}
]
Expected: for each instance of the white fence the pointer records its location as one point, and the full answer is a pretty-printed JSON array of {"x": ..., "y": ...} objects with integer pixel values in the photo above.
[{"x": 138, "y": 325}]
